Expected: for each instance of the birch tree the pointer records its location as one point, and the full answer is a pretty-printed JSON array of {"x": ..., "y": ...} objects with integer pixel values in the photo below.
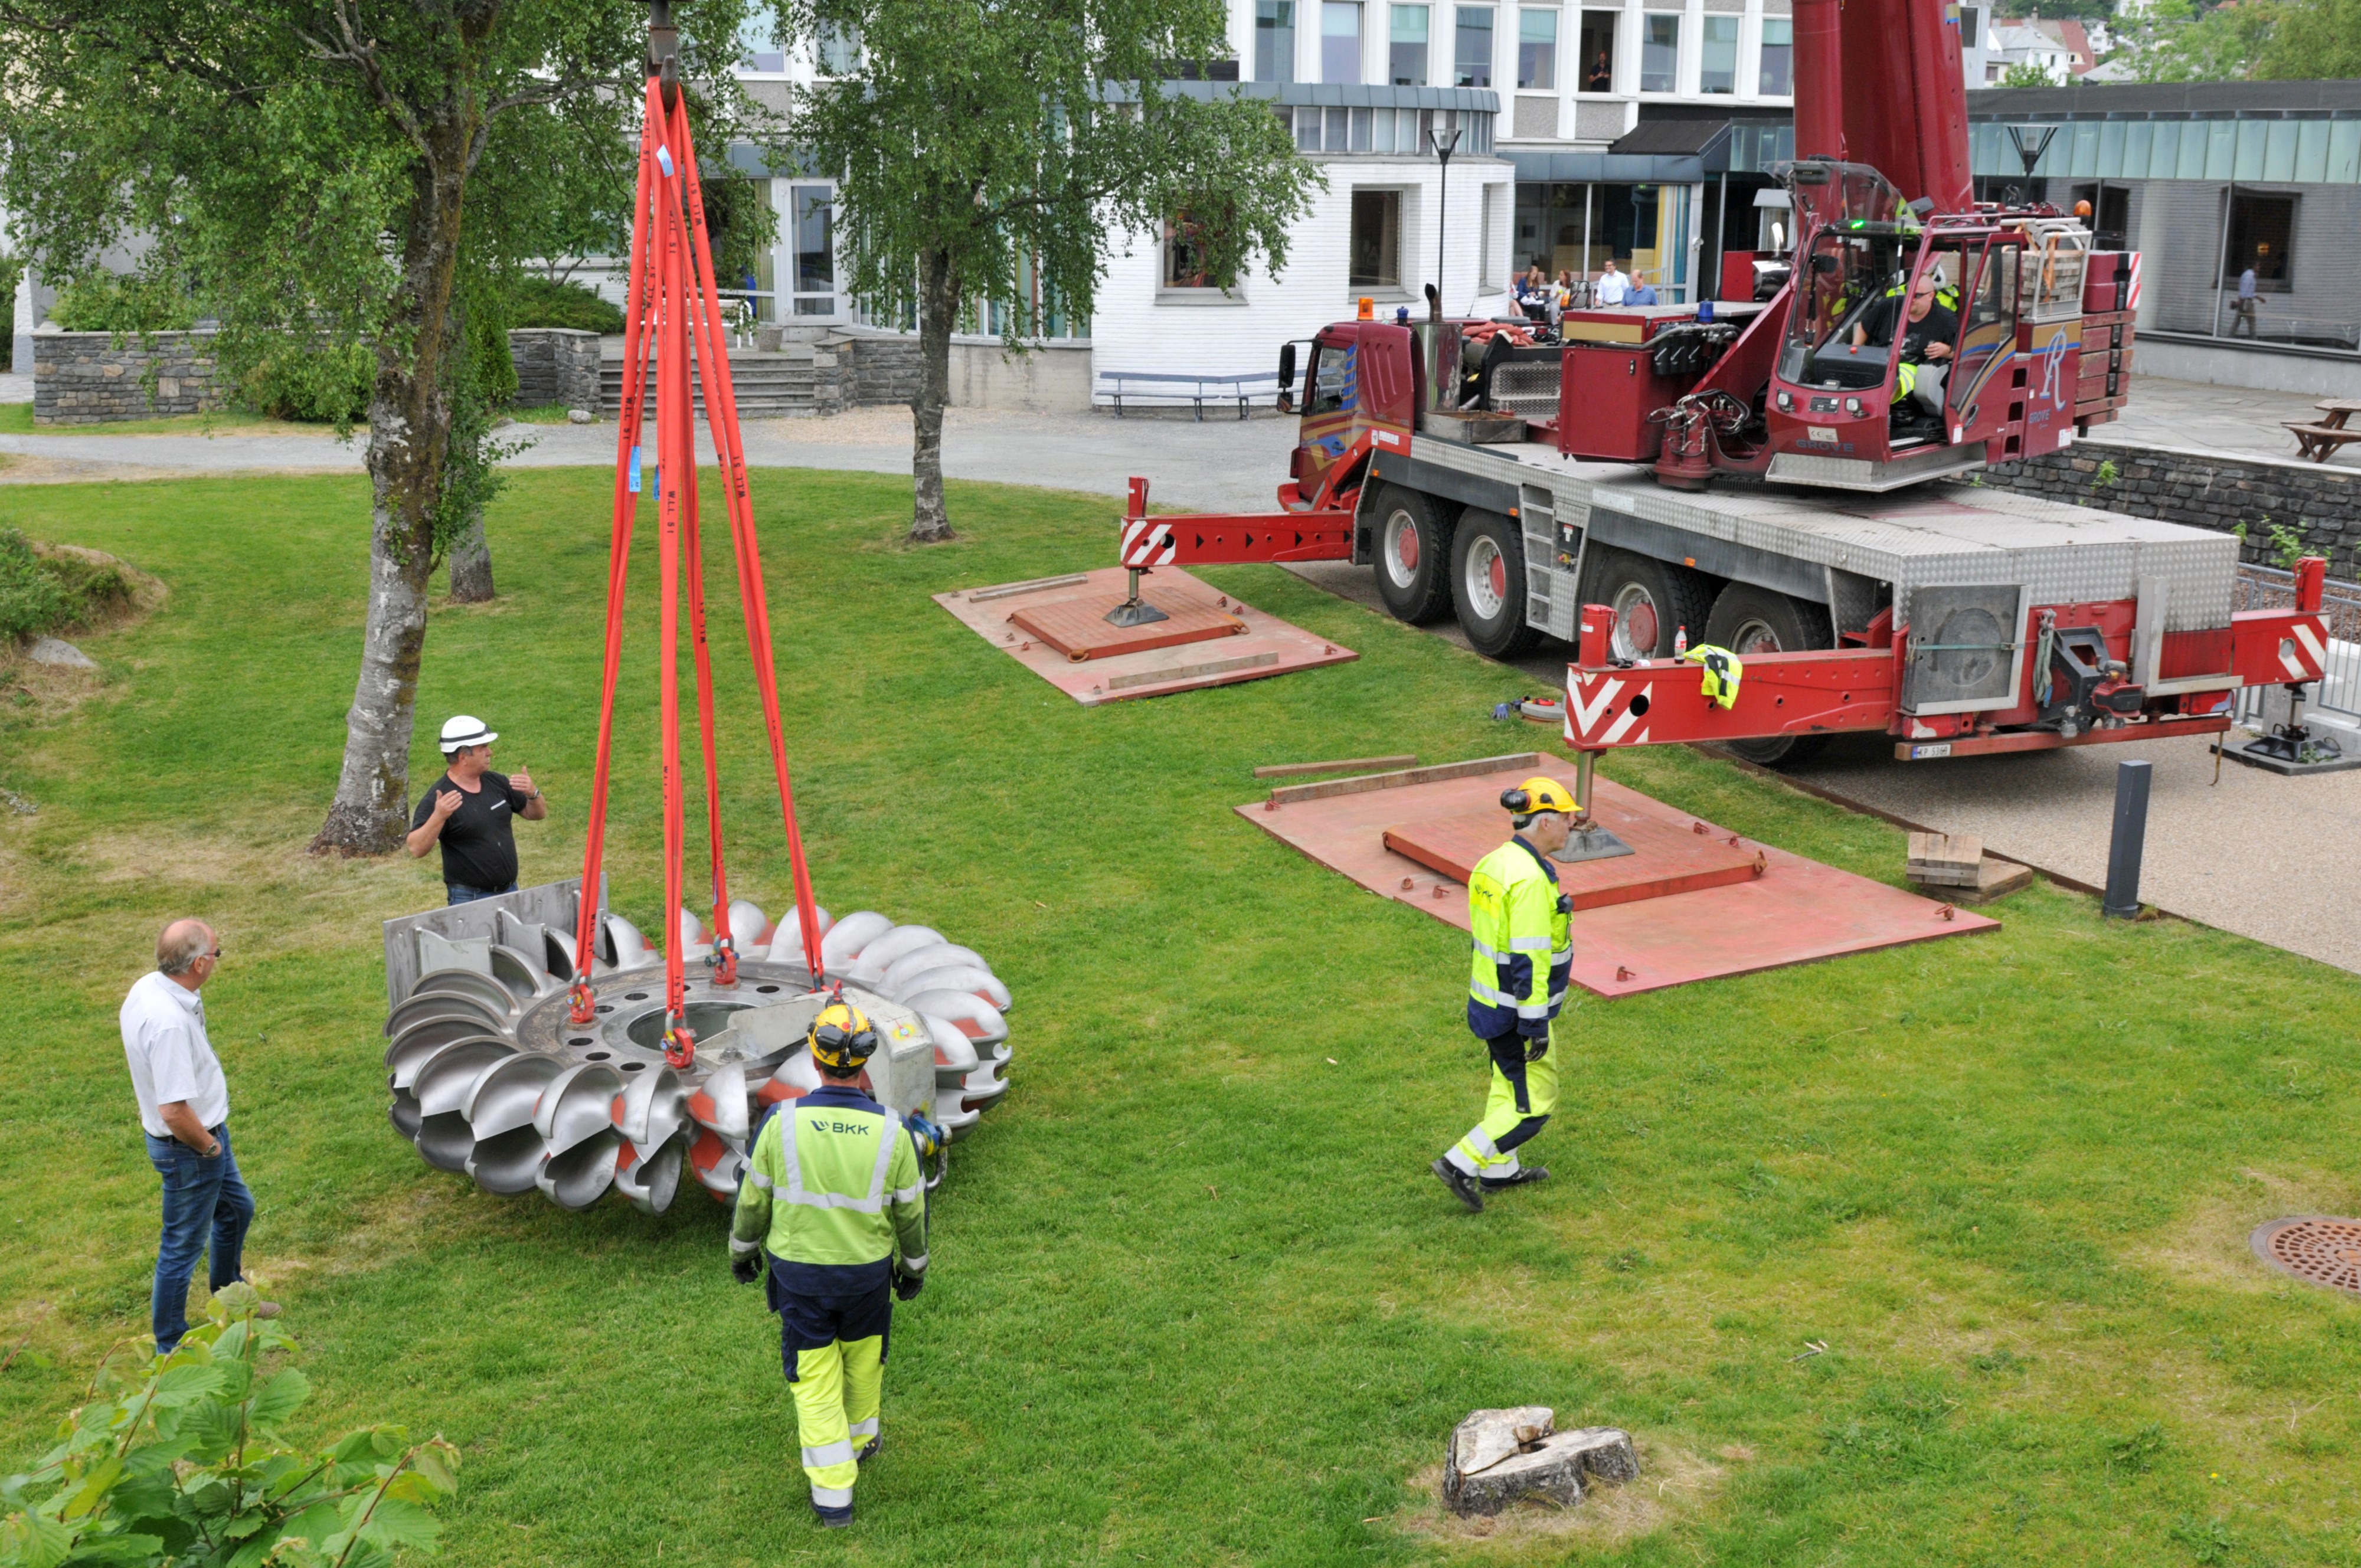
[
  {"x": 985, "y": 152},
  {"x": 308, "y": 164}
]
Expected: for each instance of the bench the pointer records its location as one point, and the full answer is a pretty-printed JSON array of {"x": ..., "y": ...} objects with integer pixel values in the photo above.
[
  {"x": 1143, "y": 384},
  {"x": 2318, "y": 443}
]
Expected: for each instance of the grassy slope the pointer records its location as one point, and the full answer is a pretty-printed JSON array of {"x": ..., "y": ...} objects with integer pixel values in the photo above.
[{"x": 1198, "y": 1300}]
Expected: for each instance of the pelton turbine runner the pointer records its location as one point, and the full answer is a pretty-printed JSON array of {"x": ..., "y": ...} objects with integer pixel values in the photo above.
[{"x": 537, "y": 1039}]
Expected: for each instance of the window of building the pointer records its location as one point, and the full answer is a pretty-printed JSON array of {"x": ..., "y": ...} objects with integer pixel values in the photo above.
[
  {"x": 838, "y": 48},
  {"x": 1274, "y": 41},
  {"x": 812, "y": 222},
  {"x": 1406, "y": 56},
  {"x": 1537, "y": 49},
  {"x": 1598, "y": 62},
  {"x": 1777, "y": 78},
  {"x": 1376, "y": 260},
  {"x": 1340, "y": 41},
  {"x": 1971, "y": 26},
  {"x": 1660, "y": 53},
  {"x": 1184, "y": 254},
  {"x": 1718, "y": 60},
  {"x": 1471, "y": 48},
  {"x": 2262, "y": 231}
]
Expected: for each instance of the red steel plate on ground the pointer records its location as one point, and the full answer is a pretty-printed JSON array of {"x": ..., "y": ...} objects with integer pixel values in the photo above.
[
  {"x": 1666, "y": 859},
  {"x": 1268, "y": 646},
  {"x": 1078, "y": 627},
  {"x": 1796, "y": 911}
]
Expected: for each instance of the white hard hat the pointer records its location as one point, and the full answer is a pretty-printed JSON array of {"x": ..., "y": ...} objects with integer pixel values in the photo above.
[{"x": 465, "y": 730}]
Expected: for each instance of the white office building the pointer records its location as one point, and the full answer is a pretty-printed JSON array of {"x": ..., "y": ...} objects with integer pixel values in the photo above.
[{"x": 1644, "y": 131}]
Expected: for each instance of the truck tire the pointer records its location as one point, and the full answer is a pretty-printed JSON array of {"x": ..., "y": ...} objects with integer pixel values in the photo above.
[
  {"x": 1413, "y": 554},
  {"x": 1488, "y": 583},
  {"x": 1652, "y": 600},
  {"x": 1747, "y": 620}
]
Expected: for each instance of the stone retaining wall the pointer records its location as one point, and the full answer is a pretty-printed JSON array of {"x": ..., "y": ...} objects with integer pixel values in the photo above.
[
  {"x": 93, "y": 378},
  {"x": 2205, "y": 490},
  {"x": 556, "y": 365}
]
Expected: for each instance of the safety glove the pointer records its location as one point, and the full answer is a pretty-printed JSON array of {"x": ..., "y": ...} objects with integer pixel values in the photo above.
[
  {"x": 746, "y": 1269},
  {"x": 906, "y": 1285},
  {"x": 1536, "y": 1049}
]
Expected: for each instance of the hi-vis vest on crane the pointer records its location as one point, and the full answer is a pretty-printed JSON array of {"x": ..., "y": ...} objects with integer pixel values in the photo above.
[{"x": 1519, "y": 921}]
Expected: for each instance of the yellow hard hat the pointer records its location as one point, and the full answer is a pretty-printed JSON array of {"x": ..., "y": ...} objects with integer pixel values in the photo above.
[
  {"x": 842, "y": 1036},
  {"x": 1537, "y": 793}
]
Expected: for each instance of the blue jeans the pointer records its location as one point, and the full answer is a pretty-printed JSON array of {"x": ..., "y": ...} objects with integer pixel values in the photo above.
[
  {"x": 460, "y": 892},
  {"x": 203, "y": 1200}
]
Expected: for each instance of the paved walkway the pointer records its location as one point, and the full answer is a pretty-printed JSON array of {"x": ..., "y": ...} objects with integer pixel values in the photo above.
[
  {"x": 1218, "y": 466},
  {"x": 2194, "y": 417}
]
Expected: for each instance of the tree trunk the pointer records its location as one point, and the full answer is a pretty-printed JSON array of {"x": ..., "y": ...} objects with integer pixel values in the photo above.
[
  {"x": 410, "y": 433},
  {"x": 937, "y": 309},
  {"x": 471, "y": 565}
]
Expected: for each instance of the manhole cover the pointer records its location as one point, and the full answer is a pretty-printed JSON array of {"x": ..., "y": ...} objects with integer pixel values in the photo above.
[{"x": 2325, "y": 1251}]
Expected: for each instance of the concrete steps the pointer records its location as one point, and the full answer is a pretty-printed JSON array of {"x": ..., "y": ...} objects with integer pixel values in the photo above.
[{"x": 769, "y": 385}]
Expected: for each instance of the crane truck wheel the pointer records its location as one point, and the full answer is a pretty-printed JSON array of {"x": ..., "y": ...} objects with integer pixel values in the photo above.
[
  {"x": 1488, "y": 583},
  {"x": 1653, "y": 601},
  {"x": 1414, "y": 551},
  {"x": 1747, "y": 620}
]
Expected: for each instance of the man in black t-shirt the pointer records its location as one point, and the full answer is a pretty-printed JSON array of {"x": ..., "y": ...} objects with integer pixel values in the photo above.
[
  {"x": 469, "y": 811},
  {"x": 1928, "y": 328}
]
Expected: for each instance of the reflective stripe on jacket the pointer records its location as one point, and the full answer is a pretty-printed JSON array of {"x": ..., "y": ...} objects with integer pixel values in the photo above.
[
  {"x": 832, "y": 1188},
  {"x": 1517, "y": 922}
]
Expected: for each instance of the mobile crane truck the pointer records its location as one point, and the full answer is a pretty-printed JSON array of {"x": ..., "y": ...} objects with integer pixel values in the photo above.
[{"x": 1749, "y": 476}]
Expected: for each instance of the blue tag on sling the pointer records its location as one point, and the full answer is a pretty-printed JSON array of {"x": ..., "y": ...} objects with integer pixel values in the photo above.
[{"x": 635, "y": 471}]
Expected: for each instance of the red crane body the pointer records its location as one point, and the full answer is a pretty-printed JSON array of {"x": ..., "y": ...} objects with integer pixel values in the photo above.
[{"x": 1482, "y": 469}]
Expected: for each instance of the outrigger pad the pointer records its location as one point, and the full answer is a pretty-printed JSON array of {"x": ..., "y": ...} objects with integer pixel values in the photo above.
[
  {"x": 1056, "y": 627},
  {"x": 1687, "y": 903}
]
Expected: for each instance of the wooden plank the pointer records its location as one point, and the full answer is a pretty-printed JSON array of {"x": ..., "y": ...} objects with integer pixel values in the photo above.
[
  {"x": 1290, "y": 794},
  {"x": 1295, "y": 769},
  {"x": 1010, "y": 591},
  {"x": 1188, "y": 672}
]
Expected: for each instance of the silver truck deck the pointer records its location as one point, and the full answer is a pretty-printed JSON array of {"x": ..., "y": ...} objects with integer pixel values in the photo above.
[{"x": 1836, "y": 549}]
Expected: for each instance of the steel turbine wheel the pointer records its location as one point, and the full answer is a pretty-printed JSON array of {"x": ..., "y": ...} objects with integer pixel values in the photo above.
[{"x": 491, "y": 1078}]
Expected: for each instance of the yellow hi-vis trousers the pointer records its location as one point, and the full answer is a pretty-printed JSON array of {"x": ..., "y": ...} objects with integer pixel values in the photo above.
[
  {"x": 1523, "y": 1095},
  {"x": 838, "y": 1388}
]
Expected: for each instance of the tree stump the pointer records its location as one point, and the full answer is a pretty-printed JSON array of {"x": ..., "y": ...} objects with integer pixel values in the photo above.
[{"x": 1498, "y": 1456}]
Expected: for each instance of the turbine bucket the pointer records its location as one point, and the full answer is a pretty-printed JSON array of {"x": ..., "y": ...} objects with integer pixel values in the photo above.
[{"x": 488, "y": 1076}]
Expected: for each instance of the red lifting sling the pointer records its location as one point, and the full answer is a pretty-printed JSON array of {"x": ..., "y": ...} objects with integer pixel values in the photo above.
[{"x": 673, "y": 307}]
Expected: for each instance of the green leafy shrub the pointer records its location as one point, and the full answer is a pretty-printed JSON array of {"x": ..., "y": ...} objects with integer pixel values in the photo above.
[
  {"x": 2287, "y": 545},
  {"x": 32, "y": 600},
  {"x": 312, "y": 383},
  {"x": 108, "y": 302},
  {"x": 541, "y": 301},
  {"x": 179, "y": 1463}
]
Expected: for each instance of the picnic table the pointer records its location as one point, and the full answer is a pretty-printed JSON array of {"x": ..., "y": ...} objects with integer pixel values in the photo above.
[{"x": 2320, "y": 441}]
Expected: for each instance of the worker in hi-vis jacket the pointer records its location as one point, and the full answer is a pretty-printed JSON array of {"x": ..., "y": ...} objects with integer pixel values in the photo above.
[
  {"x": 1517, "y": 920},
  {"x": 833, "y": 1191}
]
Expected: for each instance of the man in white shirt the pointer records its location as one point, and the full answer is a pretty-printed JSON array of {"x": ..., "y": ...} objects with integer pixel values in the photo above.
[
  {"x": 185, "y": 1109},
  {"x": 1614, "y": 288}
]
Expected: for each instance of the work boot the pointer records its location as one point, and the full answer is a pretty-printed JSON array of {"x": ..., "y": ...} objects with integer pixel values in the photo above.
[
  {"x": 832, "y": 1519},
  {"x": 1463, "y": 1185},
  {"x": 1526, "y": 1176},
  {"x": 868, "y": 1450}
]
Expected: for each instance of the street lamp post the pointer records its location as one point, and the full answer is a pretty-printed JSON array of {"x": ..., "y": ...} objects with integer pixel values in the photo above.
[{"x": 1444, "y": 145}]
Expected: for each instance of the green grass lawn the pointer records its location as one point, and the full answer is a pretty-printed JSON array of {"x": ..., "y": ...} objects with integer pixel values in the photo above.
[{"x": 1196, "y": 1298}]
